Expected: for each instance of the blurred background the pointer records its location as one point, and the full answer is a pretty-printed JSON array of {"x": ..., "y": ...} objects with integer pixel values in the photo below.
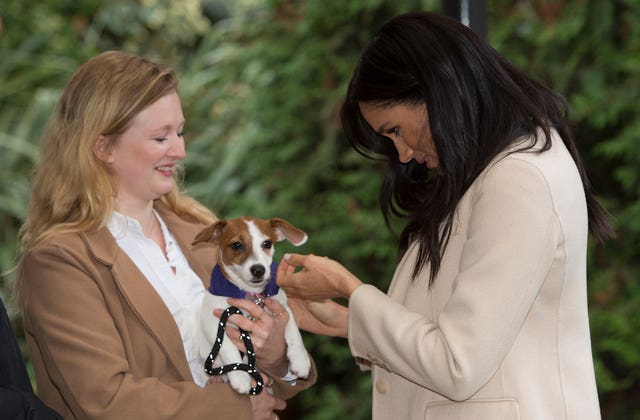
[{"x": 261, "y": 83}]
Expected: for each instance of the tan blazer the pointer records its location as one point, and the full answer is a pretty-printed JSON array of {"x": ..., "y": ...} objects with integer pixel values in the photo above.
[
  {"x": 504, "y": 332},
  {"x": 102, "y": 342}
]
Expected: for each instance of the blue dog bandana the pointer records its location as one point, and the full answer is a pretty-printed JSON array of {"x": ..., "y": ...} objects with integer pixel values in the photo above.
[{"x": 221, "y": 286}]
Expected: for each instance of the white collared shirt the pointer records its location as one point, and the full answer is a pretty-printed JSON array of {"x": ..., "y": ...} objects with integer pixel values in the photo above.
[{"x": 181, "y": 291}]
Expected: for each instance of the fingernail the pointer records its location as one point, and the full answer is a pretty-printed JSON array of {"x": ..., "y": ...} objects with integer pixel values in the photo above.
[{"x": 286, "y": 257}]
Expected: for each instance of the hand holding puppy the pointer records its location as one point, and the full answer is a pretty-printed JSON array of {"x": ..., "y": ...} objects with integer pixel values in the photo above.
[{"x": 267, "y": 332}]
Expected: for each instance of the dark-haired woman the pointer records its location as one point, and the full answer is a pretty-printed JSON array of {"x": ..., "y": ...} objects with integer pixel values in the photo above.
[{"x": 486, "y": 315}]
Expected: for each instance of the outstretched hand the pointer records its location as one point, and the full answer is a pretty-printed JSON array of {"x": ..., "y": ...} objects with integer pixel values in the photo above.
[
  {"x": 325, "y": 317},
  {"x": 320, "y": 277}
]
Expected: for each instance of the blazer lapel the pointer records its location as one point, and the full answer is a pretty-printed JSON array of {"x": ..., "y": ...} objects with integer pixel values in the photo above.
[{"x": 141, "y": 297}]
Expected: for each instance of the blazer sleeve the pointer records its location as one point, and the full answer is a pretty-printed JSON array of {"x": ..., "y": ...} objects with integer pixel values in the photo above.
[
  {"x": 511, "y": 239},
  {"x": 83, "y": 355}
]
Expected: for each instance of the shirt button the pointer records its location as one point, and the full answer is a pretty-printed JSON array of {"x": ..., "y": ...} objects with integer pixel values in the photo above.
[{"x": 382, "y": 387}]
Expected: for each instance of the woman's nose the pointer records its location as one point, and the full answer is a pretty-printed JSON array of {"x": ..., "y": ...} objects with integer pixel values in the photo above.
[
  {"x": 177, "y": 149},
  {"x": 405, "y": 153}
]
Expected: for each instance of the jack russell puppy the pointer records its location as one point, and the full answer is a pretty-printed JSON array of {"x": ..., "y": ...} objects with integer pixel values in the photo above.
[{"x": 246, "y": 269}]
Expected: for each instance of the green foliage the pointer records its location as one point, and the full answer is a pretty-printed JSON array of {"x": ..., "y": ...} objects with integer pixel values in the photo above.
[
  {"x": 38, "y": 52},
  {"x": 261, "y": 84}
]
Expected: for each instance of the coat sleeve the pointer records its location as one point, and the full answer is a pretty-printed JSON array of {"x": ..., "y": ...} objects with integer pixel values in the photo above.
[
  {"x": 82, "y": 356},
  {"x": 511, "y": 239}
]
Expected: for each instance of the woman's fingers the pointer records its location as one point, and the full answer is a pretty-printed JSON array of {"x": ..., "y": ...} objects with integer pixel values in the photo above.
[
  {"x": 252, "y": 309},
  {"x": 294, "y": 260},
  {"x": 286, "y": 274},
  {"x": 278, "y": 311},
  {"x": 284, "y": 268},
  {"x": 321, "y": 278},
  {"x": 264, "y": 404},
  {"x": 266, "y": 330},
  {"x": 260, "y": 325},
  {"x": 324, "y": 317}
]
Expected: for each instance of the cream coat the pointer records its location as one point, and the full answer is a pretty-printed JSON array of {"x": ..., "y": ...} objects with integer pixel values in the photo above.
[
  {"x": 102, "y": 342},
  {"x": 504, "y": 332}
]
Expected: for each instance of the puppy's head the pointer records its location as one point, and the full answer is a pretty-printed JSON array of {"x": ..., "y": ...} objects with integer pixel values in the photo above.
[{"x": 246, "y": 248}]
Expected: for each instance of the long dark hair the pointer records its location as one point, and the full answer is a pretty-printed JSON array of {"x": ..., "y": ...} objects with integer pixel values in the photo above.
[{"x": 479, "y": 104}]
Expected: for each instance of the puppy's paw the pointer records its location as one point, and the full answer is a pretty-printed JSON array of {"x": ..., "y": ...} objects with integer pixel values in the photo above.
[
  {"x": 240, "y": 381},
  {"x": 300, "y": 364}
]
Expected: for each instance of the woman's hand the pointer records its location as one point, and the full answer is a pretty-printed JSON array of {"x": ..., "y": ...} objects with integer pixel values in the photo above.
[
  {"x": 264, "y": 403},
  {"x": 267, "y": 333},
  {"x": 320, "y": 278},
  {"x": 325, "y": 317}
]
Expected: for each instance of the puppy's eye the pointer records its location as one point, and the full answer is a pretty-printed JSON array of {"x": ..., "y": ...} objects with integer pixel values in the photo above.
[
  {"x": 267, "y": 244},
  {"x": 237, "y": 246}
]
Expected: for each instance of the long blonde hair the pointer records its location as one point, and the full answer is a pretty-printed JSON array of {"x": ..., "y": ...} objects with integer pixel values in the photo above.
[{"x": 72, "y": 190}]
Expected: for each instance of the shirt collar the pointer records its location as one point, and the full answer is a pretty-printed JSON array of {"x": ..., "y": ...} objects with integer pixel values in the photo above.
[{"x": 120, "y": 224}]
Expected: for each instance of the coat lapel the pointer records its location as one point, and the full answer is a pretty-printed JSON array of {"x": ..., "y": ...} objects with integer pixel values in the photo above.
[{"x": 141, "y": 297}]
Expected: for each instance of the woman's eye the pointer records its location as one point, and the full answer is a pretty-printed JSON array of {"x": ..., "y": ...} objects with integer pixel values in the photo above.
[
  {"x": 395, "y": 131},
  {"x": 165, "y": 138}
]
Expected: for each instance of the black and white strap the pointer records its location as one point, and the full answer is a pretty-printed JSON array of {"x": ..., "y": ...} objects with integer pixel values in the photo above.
[{"x": 249, "y": 367}]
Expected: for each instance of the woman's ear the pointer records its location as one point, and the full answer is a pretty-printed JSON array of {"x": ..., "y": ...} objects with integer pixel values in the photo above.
[{"x": 102, "y": 150}]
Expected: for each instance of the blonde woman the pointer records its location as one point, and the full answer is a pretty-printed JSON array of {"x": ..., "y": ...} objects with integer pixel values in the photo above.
[{"x": 108, "y": 283}]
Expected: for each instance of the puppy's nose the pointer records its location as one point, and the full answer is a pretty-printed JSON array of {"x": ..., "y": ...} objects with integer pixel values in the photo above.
[{"x": 257, "y": 270}]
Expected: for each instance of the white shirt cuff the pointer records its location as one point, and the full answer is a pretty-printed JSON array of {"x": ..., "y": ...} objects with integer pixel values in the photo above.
[{"x": 290, "y": 377}]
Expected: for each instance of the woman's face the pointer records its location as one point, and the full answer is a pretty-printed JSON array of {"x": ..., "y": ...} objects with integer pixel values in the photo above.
[
  {"x": 407, "y": 127},
  {"x": 145, "y": 155}
]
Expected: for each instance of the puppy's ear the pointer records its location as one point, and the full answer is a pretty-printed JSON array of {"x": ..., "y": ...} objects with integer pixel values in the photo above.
[
  {"x": 286, "y": 230},
  {"x": 211, "y": 233}
]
